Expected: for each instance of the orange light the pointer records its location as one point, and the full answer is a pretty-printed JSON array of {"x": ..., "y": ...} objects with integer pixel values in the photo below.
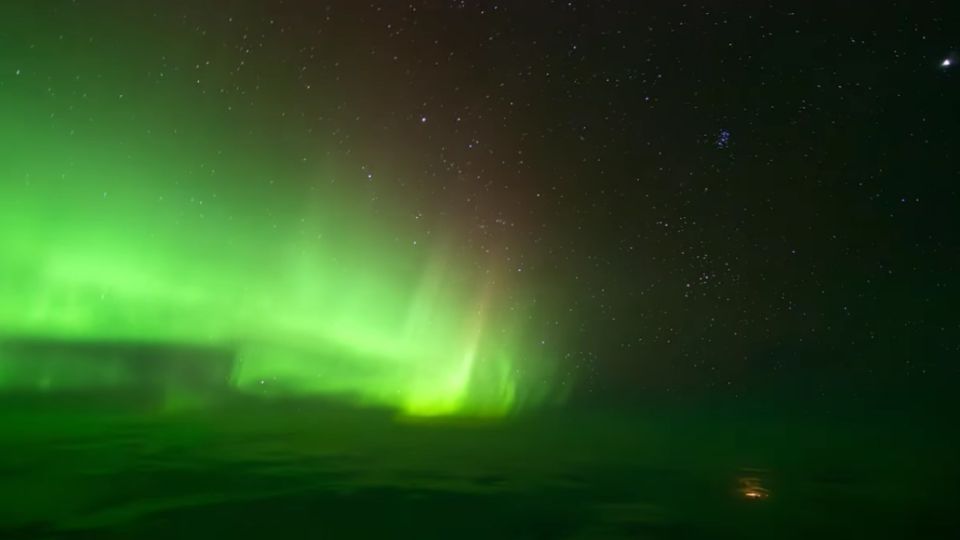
[{"x": 751, "y": 488}]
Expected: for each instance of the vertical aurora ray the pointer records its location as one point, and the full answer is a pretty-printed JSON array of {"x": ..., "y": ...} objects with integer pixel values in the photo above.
[{"x": 439, "y": 355}]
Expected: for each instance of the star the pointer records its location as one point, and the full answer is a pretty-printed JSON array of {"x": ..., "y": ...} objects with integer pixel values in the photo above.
[{"x": 946, "y": 63}]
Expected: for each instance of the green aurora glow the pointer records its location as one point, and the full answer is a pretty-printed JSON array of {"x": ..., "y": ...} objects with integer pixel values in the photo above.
[{"x": 124, "y": 234}]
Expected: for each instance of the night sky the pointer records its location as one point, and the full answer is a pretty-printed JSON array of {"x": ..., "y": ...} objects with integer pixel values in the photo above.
[
  {"x": 683, "y": 197},
  {"x": 487, "y": 207}
]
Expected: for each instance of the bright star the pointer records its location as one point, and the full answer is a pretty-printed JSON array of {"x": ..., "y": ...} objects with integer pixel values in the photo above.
[{"x": 946, "y": 63}]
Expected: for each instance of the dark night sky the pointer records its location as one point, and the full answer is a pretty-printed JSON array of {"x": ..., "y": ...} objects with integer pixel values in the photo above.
[{"x": 700, "y": 196}]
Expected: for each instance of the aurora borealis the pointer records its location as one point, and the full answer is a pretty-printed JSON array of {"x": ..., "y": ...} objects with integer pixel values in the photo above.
[
  {"x": 322, "y": 299},
  {"x": 134, "y": 211}
]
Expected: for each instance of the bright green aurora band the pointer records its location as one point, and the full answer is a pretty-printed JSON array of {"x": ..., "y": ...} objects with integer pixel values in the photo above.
[{"x": 117, "y": 233}]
